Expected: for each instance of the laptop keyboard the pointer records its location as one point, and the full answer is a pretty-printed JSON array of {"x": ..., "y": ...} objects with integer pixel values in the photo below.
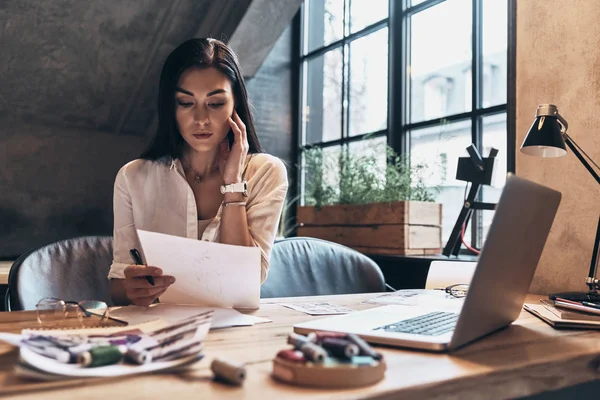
[{"x": 432, "y": 324}]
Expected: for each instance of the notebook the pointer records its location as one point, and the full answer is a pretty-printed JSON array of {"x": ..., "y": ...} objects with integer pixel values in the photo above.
[{"x": 554, "y": 317}]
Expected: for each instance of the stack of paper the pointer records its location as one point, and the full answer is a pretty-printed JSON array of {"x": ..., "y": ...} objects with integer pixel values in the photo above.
[{"x": 126, "y": 351}]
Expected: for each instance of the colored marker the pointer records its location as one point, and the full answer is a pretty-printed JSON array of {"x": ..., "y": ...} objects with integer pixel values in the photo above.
[
  {"x": 365, "y": 349},
  {"x": 297, "y": 340},
  {"x": 340, "y": 347}
]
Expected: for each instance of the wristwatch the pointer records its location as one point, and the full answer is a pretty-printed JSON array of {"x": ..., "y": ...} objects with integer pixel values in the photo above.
[{"x": 240, "y": 187}]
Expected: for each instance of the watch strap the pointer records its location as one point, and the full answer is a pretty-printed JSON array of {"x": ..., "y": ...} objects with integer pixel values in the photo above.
[{"x": 239, "y": 187}]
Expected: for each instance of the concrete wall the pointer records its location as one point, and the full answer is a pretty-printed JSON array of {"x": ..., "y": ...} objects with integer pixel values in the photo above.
[
  {"x": 57, "y": 183},
  {"x": 77, "y": 101},
  {"x": 270, "y": 92},
  {"x": 558, "y": 61}
]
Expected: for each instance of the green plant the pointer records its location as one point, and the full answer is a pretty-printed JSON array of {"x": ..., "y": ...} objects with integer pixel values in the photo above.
[
  {"x": 287, "y": 222},
  {"x": 348, "y": 177}
]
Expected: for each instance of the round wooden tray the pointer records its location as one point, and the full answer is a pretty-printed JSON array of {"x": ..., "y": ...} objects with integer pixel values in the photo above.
[{"x": 328, "y": 376}]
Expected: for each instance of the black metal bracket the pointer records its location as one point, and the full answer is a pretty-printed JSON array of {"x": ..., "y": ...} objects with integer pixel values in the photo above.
[{"x": 478, "y": 171}]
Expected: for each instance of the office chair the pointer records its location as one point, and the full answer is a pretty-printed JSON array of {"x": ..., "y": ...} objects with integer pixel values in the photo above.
[
  {"x": 73, "y": 269},
  {"x": 303, "y": 266}
]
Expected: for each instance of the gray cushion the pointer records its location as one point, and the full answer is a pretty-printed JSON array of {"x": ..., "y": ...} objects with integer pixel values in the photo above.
[
  {"x": 303, "y": 266},
  {"x": 72, "y": 270}
]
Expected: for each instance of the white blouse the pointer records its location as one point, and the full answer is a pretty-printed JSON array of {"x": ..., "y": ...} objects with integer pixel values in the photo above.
[{"x": 155, "y": 196}]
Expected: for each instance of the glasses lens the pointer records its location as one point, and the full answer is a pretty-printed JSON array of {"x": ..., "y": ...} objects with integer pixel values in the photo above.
[
  {"x": 50, "y": 311},
  {"x": 92, "y": 311},
  {"x": 459, "y": 290}
]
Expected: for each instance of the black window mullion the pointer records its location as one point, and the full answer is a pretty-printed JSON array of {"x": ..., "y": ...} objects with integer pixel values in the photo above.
[
  {"x": 345, "y": 74},
  {"x": 351, "y": 139},
  {"x": 420, "y": 7},
  {"x": 476, "y": 64},
  {"x": 500, "y": 108},
  {"x": 350, "y": 38},
  {"x": 511, "y": 66},
  {"x": 476, "y": 103},
  {"x": 297, "y": 108},
  {"x": 398, "y": 138}
]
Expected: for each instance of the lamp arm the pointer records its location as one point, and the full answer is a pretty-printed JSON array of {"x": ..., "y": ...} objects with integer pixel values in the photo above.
[
  {"x": 591, "y": 281},
  {"x": 572, "y": 145}
]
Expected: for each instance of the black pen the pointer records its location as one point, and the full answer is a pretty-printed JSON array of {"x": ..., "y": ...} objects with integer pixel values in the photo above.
[{"x": 137, "y": 258}]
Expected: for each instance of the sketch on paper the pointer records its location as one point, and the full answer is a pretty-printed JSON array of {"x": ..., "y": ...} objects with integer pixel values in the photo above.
[{"x": 209, "y": 279}]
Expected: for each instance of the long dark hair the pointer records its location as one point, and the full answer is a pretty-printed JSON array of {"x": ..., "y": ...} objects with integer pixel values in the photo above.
[{"x": 203, "y": 53}]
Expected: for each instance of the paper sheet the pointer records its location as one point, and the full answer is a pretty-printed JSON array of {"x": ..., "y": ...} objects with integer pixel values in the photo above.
[
  {"x": 207, "y": 273},
  {"x": 437, "y": 299},
  {"x": 445, "y": 273},
  {"x": 11, "y": 338},
  {"x": 169, "y": 313},
  {"x": 318, "y": 308}
]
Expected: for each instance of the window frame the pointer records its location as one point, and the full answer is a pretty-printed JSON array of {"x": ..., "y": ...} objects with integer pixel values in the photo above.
[{"x": 398, "y": 129}]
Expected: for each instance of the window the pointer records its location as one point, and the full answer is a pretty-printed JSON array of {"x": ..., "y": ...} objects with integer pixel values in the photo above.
[
  {"x": 427, "y": 77},
  {"x": 344, "y": 89},
  {"x": 435, "y": 96}
]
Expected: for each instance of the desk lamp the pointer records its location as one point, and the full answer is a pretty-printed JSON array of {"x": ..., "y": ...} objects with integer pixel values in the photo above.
[{"x": 546, "y": 138}]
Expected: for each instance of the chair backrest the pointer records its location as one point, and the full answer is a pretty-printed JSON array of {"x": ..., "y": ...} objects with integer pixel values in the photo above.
[
  {"x": 303, "y": 266},
  {"x": 442, "y": 274},
  {"x": 72, "y": 270}
]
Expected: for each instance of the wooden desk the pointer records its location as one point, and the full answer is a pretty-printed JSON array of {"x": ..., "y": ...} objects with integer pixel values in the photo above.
[{"x": 528, "y": 357}]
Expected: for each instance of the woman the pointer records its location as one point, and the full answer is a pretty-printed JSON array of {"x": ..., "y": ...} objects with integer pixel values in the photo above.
[{"x": 203, "y": 176}]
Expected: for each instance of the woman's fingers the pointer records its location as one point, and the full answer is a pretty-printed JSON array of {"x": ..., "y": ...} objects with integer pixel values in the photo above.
[
  {"x": 137, "y": 287},
  {"x": 133, "y": 271},
  {"x": 241, "y": 126},
  {"x": 145, "y": 292},
  {"x": 141, "y": 282},
  {"x": 237, "y": 132},
  {"x": 237, "y": 155},
  {"x": 146, "y": 301}
]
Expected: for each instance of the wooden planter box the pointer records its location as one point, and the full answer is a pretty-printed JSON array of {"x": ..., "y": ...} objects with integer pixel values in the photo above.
[{"x": 404, "y": 228}]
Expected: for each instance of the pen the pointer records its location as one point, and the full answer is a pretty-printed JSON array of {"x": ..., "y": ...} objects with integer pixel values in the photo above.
[
  {"x": 135, "y": 254},
  {"x": 590, "y": 304},
  {"x": 567, "y": 301}
]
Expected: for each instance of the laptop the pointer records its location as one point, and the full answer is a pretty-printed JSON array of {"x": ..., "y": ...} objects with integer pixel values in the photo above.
[{"x": 504, "y": 271}]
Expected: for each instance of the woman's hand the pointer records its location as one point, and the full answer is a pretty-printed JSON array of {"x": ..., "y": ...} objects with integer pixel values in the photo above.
[
  {"x": 137, "y": 288},
  {"x": 231, "y": 161}
]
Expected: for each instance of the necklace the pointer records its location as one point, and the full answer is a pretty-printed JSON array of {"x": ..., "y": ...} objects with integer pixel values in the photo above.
[{"x": 197, "y": 177}]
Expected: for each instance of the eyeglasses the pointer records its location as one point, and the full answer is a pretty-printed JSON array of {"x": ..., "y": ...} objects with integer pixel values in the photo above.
[
  {"x": 52, "y": 311},
  {"x": 458, "y": 290}
]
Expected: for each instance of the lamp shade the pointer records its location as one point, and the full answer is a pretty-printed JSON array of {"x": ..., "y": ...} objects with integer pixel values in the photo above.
[{"x": 545, "y": 138}]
